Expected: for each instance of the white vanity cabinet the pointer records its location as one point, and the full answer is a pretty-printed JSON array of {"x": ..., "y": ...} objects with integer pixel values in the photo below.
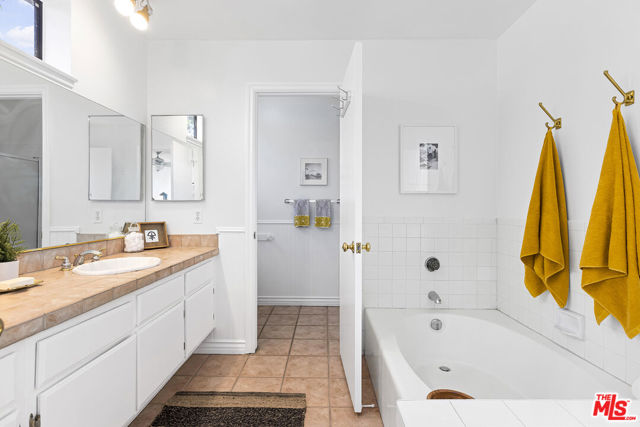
[{"x": 101, "y": 368}]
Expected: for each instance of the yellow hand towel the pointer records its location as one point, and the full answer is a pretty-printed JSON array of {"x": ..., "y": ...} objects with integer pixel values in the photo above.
[
  {"x": 545, "y": 246},
  {"x": 609, "y": 260}
]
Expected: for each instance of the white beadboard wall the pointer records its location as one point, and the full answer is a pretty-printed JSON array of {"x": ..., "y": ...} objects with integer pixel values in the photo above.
[
  {"x": 394, "y": 272},
  {"x": 605, "y": 346}
]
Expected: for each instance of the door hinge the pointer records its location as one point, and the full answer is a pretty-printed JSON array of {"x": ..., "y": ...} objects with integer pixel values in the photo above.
[
  {"x": 184, "y": 345},
  {"x": 34, "y": 421},
  {"x": 255, "y": 234}
]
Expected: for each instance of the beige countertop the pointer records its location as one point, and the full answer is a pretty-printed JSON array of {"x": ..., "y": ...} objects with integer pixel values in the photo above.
[{"x": 64, "y": 294}]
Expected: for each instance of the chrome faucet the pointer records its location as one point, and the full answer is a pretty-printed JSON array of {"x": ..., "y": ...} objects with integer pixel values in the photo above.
[
  {"x": 433, "y": 296},
  {"x": 79, "y": 260}
]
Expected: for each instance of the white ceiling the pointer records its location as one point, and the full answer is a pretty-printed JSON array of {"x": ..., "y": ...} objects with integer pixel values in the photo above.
[{"x": 332, "y": 19}]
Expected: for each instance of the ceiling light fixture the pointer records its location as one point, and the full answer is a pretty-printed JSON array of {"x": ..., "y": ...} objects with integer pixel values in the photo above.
[{"x": 138, "y": 12}]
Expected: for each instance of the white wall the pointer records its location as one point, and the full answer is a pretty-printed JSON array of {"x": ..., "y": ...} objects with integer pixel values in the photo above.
[
  {"x": 213, "y": 78},
  {"x": 300, "y": 265},
  {"x": 440, "y": 82},
  {"x": 108, "y": 57},
  {"x": 444, "y": 82},
  {"x": 556, "y": 54}
]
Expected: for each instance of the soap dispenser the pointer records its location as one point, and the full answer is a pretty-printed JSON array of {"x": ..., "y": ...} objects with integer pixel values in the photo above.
[{"x": 134, "y": 239}]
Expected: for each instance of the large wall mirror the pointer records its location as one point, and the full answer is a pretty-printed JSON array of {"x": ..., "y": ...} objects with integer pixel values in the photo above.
[
  {"x": 177, "y": 152},
  {"x": 115, "y": 158},
  {"x": 71, "y": 170}
]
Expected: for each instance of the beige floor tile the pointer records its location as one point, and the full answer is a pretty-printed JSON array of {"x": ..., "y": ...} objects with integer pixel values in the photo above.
[
  {"x": 345, "y": 417},
  {"x": 368, "y": 392},
  {"x": 333, "y": 319},
  {"x": 198, "y": 383},
  {"x": 265, "y": 385},
  {"x": 334, "y": 332},
  {"x": 265, "y": 309},
  {"x": 262, "y": 319},
  {"x": 264, "y": 366},
  {"x": 175, "y": 384},
  {"x": 222, "y": 365},
  {"x": 313, "y": 310},
  {"x": 193, "y": 363},
  {"x": 277, "y": 331},
  {"x": 148, "y": 414},
  {"x": 312, "y": 319},
  {"x": 309, "y": 348},
  {"x": 311, "y": 332},
  {"x": 307, "y": 367},
  {"x": 336, "y": 369},
  {"x": 317, "y": 417},
  {"x": 334, "y": 348},
  {"x": 316, "y": 389},
  {"x": 273, "y": 347},
  {"x": 339, "y": 396},
  {"x": 282, "y": 319},
  {"x": 285, "y": 309}
]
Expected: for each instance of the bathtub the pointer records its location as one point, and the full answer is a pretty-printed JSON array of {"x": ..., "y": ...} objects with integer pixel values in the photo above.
[{"x": 483, "y": 353}]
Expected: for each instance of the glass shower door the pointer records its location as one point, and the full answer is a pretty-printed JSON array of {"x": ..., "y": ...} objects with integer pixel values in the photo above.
[{"x": 20, "y": 195}]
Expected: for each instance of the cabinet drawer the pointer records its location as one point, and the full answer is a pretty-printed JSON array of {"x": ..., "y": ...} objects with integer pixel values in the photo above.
[
  {"x": 100, "y": 394},
  {"x": 160, "y": 351},
  {"x": 199, "y": 317},
  {"x": 159, "y": 298},
  {"x": 64, "y": 350},
  {"x": 198, "y": 277},
  {"x": 8, "y": 372}
]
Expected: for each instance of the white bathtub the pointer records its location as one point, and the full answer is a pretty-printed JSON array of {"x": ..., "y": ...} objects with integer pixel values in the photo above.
[{"x": 490, "y": 356}]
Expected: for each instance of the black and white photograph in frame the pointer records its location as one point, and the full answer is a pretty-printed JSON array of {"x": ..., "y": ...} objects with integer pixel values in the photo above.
[
  {"x": 313, "y": 171},
  {"x": 428, "y": 159}
]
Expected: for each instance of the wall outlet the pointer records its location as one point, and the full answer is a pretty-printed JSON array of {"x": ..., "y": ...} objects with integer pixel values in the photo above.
[
  {"x": 197, "y": 217},
  {"x": 97, "y": 216}
]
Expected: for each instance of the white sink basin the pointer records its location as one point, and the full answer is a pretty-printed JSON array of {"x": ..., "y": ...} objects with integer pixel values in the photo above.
[{"x": 116, "y": 266}]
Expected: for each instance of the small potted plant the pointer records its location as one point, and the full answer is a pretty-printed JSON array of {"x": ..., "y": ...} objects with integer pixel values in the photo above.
[{"x": 10, "y": 247}]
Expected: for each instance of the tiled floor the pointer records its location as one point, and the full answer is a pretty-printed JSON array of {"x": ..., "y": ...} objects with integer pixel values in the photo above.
[{"x": 298, "y": 352}]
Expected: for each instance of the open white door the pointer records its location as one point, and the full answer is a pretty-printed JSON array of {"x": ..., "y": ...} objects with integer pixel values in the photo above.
[{"x": 351, "y": 229}]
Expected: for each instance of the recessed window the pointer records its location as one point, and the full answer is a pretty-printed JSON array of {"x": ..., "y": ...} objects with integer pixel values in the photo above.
[{"x": 21, "y": 25}]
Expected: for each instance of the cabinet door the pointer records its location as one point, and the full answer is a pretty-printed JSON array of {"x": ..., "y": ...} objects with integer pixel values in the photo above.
[
  {"x": 102, "y": 393},
  {"x": 199, "y": 317},
  {"x": 160, "y": 351},
  {"x": 10, "y": 420}
]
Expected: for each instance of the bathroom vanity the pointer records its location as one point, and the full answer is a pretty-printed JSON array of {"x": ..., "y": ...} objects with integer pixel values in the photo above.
[{"x": 99, "y": 348}]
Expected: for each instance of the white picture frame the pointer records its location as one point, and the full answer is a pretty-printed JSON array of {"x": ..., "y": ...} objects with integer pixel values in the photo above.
[
  {"x": 313, "y": 171},
  {"x": 428, "y": 159}
]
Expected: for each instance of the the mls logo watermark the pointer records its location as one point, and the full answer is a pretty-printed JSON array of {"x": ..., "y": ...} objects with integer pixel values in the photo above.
[{"x": 607, "y": 405}]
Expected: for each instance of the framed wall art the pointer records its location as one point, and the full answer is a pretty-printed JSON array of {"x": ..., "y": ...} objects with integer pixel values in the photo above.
[
  {"x": 428, "y": 159},
  {"x": 313, "y": 171},
  {"x": 155, "y": 234}
]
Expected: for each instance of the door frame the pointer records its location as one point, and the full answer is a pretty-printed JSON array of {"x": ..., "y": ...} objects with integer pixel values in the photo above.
[
  {"x": 38, "y": 92},
  {"x": 251, "y": 190}
]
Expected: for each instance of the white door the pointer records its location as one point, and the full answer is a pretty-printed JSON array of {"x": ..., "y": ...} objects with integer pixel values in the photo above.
[{"x": 351, "y": 229}]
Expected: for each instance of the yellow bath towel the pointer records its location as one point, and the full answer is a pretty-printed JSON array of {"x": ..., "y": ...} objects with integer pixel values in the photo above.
[
  {"x": 609, "y": 260},
  {"x": 545, "y": 246}
]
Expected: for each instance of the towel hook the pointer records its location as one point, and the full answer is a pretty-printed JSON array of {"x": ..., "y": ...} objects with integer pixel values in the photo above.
[
  {"x": 557, "y": 123},
  {"x": 629, "y": 97}
]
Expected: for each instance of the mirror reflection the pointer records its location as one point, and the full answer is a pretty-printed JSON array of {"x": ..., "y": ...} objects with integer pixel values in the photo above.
[
  {"x": 176, "y": 157},
  {"x": 45, "y": 172},
  {"x": 115, "y": 158}
]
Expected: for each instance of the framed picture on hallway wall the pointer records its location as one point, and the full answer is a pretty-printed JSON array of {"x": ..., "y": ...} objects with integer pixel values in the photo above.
[
  {"x": 428, "y": 159},
  {"x": 313, "y": 171}
]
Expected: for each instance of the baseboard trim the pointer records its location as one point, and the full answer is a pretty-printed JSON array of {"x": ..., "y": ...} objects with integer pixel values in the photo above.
[
  {"x": 328, "y": 301},
  {"x": 222, "y": 347}
]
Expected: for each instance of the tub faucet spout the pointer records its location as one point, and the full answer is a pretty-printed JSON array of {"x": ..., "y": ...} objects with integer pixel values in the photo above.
[{"x": 433, "y": 296}]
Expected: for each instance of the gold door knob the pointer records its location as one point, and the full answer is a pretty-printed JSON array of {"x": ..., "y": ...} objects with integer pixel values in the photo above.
[
  {"x": 367, "y": 247},
  {"x": 346, "y": 247}
]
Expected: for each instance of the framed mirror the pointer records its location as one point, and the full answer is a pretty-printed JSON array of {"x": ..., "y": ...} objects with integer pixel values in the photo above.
[
  {"x": 177, "y": 154},
  {"x": 115, "y": 158}
]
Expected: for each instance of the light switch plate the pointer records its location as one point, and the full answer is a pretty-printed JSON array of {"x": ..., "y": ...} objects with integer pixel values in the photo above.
[{"x": 197, "y": 217}]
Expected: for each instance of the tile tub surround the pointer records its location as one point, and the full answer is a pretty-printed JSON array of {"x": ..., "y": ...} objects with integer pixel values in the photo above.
[
  {"x": 604, "y": 345},
  {"x": 304, "y": 358},
  {"x": 65, "y": 295},
  {"x": 394, "y": 272}
]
